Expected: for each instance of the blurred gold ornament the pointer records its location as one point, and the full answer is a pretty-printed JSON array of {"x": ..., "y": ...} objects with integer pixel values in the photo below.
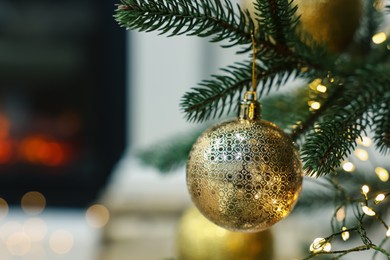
[
  {"x": 244, "y": 174},
  {"x": 331, "y": 22},
  {"x": 199, "y": 239}
]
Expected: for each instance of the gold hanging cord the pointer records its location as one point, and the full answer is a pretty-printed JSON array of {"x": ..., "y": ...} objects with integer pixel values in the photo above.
[{"x": 254, "y": 71}]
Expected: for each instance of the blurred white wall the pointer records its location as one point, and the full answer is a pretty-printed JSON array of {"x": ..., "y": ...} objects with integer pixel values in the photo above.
[{"x": 161, "y": 70}]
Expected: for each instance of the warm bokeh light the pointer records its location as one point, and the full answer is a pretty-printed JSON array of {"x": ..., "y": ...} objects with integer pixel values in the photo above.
[
  {"x": 382, "y": 174},
  {"x": 379, "y": 198},
  {"x": 364, "y": 141},
  {"x": 361, "y": 154},
  {"x": 379, "y": 38},
  {"x": 3, "y": 208},
  {"x": 97, "y": 216},
  {"x": 61, "y": 242},
  {"x": 43, "y": 150},
  {"x": 345, "y": 234},
  {"x": 348, "y": 167},
  {"x": 33, "y": 203},
  {"x": 315, "y": 83},
  {"x": 5, "y": 126},
  {"x": 10, "y": 228},
  {"x": 18, "y": 244},
  {"x": 388, "y": 233},
  {"x": 35, "y": 229},
  {"x": 340, "y": 214},
  {"x": 6, "y": 150},
  {"x": 368, "y": 211},
  {"x": 314, "y": 105},
  {"x": 319, "y": 245},
  {"x": 365, "y": 189},
  {"x": 321, "y": 88},
  {"x": 379, "y": 5}
]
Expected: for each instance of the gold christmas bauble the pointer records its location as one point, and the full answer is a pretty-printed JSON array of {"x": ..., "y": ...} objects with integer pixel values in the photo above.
[
  {"x": 331, "y": 22},
  {"x": 199, "y": 239},
  {"x": 244, "y": 174}
]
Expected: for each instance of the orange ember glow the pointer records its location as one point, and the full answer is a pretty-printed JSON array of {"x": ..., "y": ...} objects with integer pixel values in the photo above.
[
  {"x": 6, "y": 150},
  {"x": 5, "y": 126},
  {"x": 42, "y": 150}
]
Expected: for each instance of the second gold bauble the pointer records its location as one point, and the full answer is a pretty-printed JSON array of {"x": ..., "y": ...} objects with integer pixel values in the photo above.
[
  {"x": 199, "y": 239},
  {"x": 330, "y": 22}
]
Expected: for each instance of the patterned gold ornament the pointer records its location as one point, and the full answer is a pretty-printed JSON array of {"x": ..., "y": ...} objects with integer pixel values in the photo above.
[
  {"x": 331, "y": 22},
  {"x": 244, "y": 174},
  {"x": 199, "y": 239}
]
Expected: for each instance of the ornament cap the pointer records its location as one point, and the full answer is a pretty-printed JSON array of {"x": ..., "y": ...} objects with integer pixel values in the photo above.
[{"x": 250, "y": 108}]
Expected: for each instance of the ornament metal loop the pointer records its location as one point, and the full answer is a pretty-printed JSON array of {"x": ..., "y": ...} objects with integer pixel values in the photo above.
[{"x": 250, "y": 108}]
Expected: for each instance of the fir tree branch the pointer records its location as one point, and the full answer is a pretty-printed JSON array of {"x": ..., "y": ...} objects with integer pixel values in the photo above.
[
  {"x": 303, "y": 127},
  {"x": 370, "y": 23},
  {"x": 334, "y": 138},
  {"x": 209, "y": 99},
  {"x": 278, "y": 20},
  {"x": 202, "y": 18},
  {"x": 222, "y": 93},
  {"x": 381, "y": 126},
  {"x": 286, "y": 109}
]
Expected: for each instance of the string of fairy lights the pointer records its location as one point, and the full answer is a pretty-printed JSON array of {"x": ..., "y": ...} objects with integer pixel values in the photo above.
[{"x": 367, "y": 205}]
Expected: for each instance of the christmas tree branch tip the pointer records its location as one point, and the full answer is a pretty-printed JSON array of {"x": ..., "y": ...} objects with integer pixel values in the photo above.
[{"x": 219, "y": 20}]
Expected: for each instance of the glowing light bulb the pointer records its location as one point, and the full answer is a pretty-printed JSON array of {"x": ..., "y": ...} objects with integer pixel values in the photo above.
[
  {"x": 321, "y": 88},
  {"x": 382, "y": 174},
  {"x": 361, "y": 154},
  {"x": 315, "y": 105},
  {"x": 348, "y": 167},
  {"x": 364, "y": 141},
  {"x": 315, "y": 83},
  {"x": 379, "y": 198},
  {"x": 379, "y": 38},
  {"x": 345, "y": 234},
  {"x": 365, "y": 189},
  {"x": 368, "y": 211},
  {"x": 319, "y": 245}
]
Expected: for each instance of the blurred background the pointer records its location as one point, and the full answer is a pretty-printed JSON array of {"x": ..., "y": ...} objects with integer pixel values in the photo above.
[
  {"x": 79, "y": 96},
  {"x": 62, "y": 123}
]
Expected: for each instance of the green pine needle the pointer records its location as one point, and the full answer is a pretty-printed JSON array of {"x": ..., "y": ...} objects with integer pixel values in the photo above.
[
  {"x": 204, "y": 18},
  {"x": 381, "y": 126},
  {"x": 215, "y": 97}
]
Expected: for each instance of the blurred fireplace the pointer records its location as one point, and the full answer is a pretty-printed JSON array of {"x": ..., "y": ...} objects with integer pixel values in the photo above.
[{"x": 62, "y": 98}]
